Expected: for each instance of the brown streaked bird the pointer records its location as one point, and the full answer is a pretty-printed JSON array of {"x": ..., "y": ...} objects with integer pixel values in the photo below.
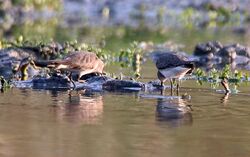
[
  {"x": 80, "y": 62},
  {"x": 171, "y": 67}
]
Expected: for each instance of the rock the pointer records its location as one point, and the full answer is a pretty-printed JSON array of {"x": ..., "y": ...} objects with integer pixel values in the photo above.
[
  {"x": 50, "y": 51},
  {"x": 204, "y": 49},
  {"x": 95, "y": 83},
  {"x": 54, "y": 82},
  {"x": 207, "y": 51},
  {"x": 242, "y": 50},
  {"x": 219, "y": 54},
  {"x": 99, "y": 79},
  {"x": 11, "y": 57},
  {"x": 116, "y": 84},
  {"x": 14, "y": 54},
  {"x": 227, "y": 53}
]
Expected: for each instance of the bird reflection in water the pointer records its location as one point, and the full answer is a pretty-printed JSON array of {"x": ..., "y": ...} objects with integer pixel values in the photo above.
[
  {"x": 81, "y": 109},
  {"x": 174, "y": 112}
]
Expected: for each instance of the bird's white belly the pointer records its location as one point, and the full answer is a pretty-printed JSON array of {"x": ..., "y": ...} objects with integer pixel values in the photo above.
[{"x": 176, "y": 72}]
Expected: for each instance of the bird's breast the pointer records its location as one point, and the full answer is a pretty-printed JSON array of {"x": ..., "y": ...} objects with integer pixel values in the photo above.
[{"x": 175, "y": 72}]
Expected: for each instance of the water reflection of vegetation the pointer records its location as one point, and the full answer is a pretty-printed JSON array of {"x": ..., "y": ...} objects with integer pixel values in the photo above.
[
  {"x": 120, "y": 35},
  {"x": 37, "y": 4},
  {"x": 35, "y": 30}
]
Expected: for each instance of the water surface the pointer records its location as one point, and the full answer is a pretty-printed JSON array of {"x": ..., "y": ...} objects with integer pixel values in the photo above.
[
  {"x": 51, "y": 123},
  {"x": 45, "y": 123}
]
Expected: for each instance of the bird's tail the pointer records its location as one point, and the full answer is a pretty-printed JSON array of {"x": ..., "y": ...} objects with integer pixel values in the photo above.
[{"x": 49, "y": 63}]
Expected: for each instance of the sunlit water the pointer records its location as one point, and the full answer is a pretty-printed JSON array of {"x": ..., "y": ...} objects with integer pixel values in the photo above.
[
  {"x": 41, "y": 123},
  {"x": 52, "y": 123}
]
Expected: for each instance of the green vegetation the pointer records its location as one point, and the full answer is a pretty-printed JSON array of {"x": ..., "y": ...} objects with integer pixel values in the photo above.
[
  {"x": 4, "y": 84},
  {"x": 214, "y": 77},
  {"x": 38, "y": 4},
  {"x": 129, "y": 57}
]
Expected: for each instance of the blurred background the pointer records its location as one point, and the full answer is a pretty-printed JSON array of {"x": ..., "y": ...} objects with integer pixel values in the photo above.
[
  {"x": 114, "y": 24},
  {"x": 42, "y": 123}
]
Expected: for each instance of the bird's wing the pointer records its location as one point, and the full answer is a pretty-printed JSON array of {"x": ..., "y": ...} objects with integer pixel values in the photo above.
[
  {"x": 77, "y": 60},
  {"x": 167, "y": 59},
  {"x": 82, "y": 60}
]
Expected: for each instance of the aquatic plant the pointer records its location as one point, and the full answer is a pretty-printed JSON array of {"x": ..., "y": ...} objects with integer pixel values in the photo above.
[
  {"x": 4, "y": 84},
  {"x": 131, "y": 57},
  {"x": 215, "y": 77}
]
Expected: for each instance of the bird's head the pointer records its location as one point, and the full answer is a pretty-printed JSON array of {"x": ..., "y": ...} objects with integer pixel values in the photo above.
[{"x": 192, "y": 65}]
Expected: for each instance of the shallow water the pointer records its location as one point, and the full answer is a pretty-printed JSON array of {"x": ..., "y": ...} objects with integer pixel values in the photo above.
[{"x": 51, "y": 123}]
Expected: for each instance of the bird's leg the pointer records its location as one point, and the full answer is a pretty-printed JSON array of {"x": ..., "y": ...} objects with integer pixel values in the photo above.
[
  {"x": 171, "y": 86},
  {"x": 71, "y": 80},
  {"x": 70, "y": 92},
  {"x": 162, "y": 91},
  {"x": 162, "y": 85},
  {"x": 162, "y": 88},
  {"x": 178, "y": 87}
]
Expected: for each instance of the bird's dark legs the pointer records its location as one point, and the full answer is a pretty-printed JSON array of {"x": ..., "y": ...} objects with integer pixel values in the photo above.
[
  {"x": 162, "y": 91},
  {"x": 171, "y": 86},
  {"x": 71, "y": 80},
  {"x": 162, "y": 88},
  {"x": 162, "y": 85},
  {"x": 178, "y": 87}
]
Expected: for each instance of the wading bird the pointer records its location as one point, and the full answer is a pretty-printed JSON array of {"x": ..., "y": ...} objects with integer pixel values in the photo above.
[
  {"x": 171, "y": 67},
  {"x": 80, "y": 62}
]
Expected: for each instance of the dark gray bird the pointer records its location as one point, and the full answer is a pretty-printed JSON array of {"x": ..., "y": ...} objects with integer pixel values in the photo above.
[{"x": 171, "y": 67}]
